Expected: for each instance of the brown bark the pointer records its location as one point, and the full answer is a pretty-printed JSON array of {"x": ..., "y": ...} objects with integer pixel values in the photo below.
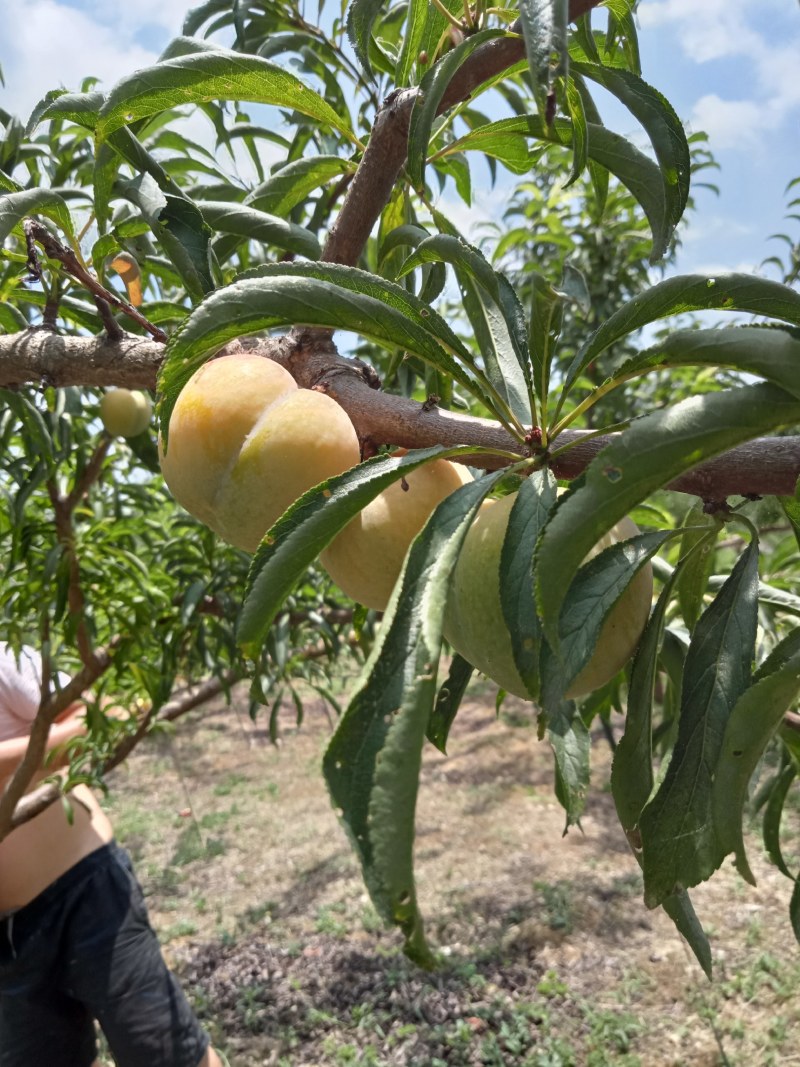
[
  {"x": 385, "y": 153},
  {"x": 765, "y": 466}
]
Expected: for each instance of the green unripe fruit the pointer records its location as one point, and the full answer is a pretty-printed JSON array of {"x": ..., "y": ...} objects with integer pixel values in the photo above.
[
  {"x": 474, "y": 623},
  {"x": 125, "y": 412}
]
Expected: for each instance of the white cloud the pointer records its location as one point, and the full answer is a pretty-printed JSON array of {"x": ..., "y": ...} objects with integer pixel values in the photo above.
[
  {"x": 731, "y": 123},
  {"x": 47, "y": 45},
  {"x": 768, "y": 87}
]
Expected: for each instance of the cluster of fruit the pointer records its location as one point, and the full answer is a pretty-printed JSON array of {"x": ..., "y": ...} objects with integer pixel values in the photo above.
[{"x": 245, "y": 442}]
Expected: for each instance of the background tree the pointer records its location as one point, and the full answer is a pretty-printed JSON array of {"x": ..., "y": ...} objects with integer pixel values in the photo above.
[{"x": 131, "y": 250}]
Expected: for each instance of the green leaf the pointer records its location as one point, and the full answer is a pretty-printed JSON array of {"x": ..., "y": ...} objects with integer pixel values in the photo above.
[
  {"x": 662, "y": 125},
  {"x": 640, "y": 175},
  {"x": 544, "y": 28},
  {"x": 580, "y": 137},
  {"x": 80, "y": 108},
  {"x": 361, "y": 15},
  {"x": 679, "y": 844},
  {"x": 33, "y": 421},
  {"x": 547, "y": 308},
  {"x": 181, "y": 229},
  {"x": 373, "y": 762},
  {"x": 593, "y": 593},
  {"x": 301, "y": 533},
  {"x": 791, "y": 509},
  {"x": 772, "y": 817},
  {"x": 412, "y": 41},
  {"x": 696, "y": 571},
  {"x": 289, "y": 186},
  {"x": 495, "y": 314},
  {"x": 680, "y": 910},
  {"x": 448, "y": 701},
  {"x": 256, "y": 225},
  {"x": 754, "y": 719},
  {"x": 645, "y": 457},
  {"x": 632, "y": 770},
  {"x": 682, "y": 294},
  {"x": 568, "y": 737},
  {"x": 14, "y": 207},
  {"x": 7, "y": 183},
  {"x": 535, "y": 499},
  {"x": 311, "y": 294},
  {"x": 205, "y": 76},
  {"x": 429, "y": 95}
]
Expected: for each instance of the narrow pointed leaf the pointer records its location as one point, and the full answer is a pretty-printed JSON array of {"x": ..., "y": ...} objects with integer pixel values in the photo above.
[
  {"x": 298, "y": 537},
  {"x": 205, "y": 76},
  {"x": 180, "y": 228},
  {"x": 639, "y": 174},
  {"x": 544, "y": 26},
  {"x": 361, "y": 15},
  {"x": 772, "y": 352},
  {"x": 495, "y": 314},
  {"x": 648, "y": 455},
  {"x": 685, "y": 293},
  {"x": 696, "y": 570},
  {"x": 411, "y": 41},
  {"x": 580, "y": 136},
  {"x": 291, "y": 184},
  {"x": 80, "y": 108},
  {"x": 14, "y": 207},
  {"x": 681, "y": 911},
  {"x": 754, "y": 719},
  {"x": 257, "y": 225},
  {"x": 448, "y": 700},
  {"x": 568, "y": 737},
  {"x": 373, "y": 762},
  {"x": 426, "y": 103},
  {"x": 662, "y": 125},
  {"x": 679, "y": 844},
  {"x": 771, "y": 828},
  {"x": 535, "y": 500},
  {"x": 632, "y": 769},
  {"x": 595, "y": 590},
  {"x": 547, "y": 310}
]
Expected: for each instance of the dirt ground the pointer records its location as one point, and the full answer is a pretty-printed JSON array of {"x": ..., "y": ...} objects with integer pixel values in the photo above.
[{"x": 549, "y": 957}]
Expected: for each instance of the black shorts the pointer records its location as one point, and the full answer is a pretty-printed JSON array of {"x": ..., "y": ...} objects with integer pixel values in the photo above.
[{"x": 84, "y": 950}]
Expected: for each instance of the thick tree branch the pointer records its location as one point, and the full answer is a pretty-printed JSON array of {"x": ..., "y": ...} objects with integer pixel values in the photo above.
[
  {"x": 51, "y": 359},
  {"x": 385, "y": 154},
  {"x": 766, "y": 466}
]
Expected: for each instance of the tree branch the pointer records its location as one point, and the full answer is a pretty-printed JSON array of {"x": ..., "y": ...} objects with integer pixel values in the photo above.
[
  {"x": 764, "y": 467},
  {"x": 385, "y": 154},
  {"x": 36, "y": 231}
]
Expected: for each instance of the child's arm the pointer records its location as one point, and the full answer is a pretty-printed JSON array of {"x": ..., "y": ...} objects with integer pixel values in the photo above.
[{"x": 70, "y": 723}]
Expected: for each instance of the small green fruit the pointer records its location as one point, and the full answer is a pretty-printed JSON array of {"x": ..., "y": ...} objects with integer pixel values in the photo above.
[{"x": 125, "y": 412}]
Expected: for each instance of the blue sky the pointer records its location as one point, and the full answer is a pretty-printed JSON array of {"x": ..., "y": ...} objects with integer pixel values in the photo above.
[{"x": 729, "y": 67}]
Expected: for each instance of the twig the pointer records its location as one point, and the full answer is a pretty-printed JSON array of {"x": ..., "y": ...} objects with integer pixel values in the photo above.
[{"x": 35, "y": 231}]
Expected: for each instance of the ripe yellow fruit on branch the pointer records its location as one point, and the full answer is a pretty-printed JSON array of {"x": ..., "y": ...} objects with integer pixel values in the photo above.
[
  {"x": 245, "y": 442},
  {"x": 474, "y": 623},
  {"x": 366, "y": 558},
  {"x": 125, "y": 412}
]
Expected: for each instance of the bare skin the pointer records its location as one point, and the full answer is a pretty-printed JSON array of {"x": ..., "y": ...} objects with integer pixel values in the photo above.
[{"x": 33, "y": 855}]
